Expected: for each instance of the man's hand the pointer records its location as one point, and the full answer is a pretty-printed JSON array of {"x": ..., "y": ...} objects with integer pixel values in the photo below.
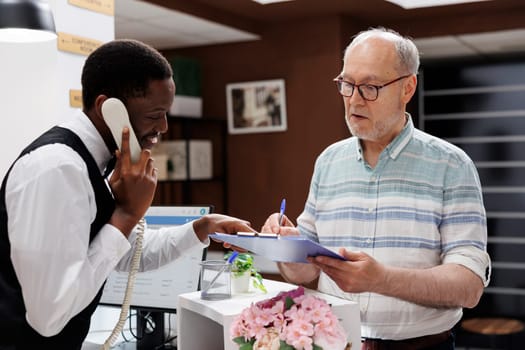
[
  {"x": 360, "y": 273},
  {"x": 133, "y": 186},
  {"x": 272, "y": 225},
  {"x": 212, "y": 223},
  {"x": 445, "y": 285},
  {"x": 297, "y": 273}
]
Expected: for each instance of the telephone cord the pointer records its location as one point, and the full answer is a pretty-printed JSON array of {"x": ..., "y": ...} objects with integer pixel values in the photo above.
[{"x": 129, "y": 287}]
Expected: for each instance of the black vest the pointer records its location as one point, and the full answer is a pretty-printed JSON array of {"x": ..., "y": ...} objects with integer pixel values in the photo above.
[{"x": 15, "y": 332}]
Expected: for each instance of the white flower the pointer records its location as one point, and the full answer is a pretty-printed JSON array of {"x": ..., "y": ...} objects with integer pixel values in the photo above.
[
  {"x": 270, "y": 341},
  {"x": 330, "y": 343}
]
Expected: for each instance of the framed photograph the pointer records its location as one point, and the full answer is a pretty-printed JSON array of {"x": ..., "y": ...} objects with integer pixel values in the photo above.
[{"x": 258, "y": 106}]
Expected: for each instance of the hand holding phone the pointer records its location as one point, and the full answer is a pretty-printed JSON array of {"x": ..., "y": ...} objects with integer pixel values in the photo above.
[
  {"x": 134, "y": 179},
  {"x": 116, "y": 117}
]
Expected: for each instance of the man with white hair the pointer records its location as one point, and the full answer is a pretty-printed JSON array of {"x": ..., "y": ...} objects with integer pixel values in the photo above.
[{"x": 404, "y": 208}]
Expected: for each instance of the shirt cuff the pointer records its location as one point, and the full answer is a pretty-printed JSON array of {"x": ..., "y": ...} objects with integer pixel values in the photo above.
[
  {"x": 476, "y": 260},
  {"x": 188, "y": 237}
]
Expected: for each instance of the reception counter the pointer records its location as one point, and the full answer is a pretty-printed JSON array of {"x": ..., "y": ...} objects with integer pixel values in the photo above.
[{"x": 205, "y": 324}]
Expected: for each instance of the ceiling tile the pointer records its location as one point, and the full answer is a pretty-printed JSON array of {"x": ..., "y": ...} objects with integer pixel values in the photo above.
[
  {"x": 497, "y": 42},
  {"x": 444, "y": 46},
  {"x": 165, "y": 29},
  {"x": 169, "y": 29}
]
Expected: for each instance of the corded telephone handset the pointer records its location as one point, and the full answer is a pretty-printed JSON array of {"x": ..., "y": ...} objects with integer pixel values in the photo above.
[{"x": 116, "y": 117}]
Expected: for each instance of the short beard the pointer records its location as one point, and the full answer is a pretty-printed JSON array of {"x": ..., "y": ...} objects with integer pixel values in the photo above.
[{"x": 379, "y": 129}]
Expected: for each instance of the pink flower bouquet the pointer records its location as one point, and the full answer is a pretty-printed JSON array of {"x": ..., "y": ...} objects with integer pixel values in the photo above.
[{"x": 289, "y": 321}]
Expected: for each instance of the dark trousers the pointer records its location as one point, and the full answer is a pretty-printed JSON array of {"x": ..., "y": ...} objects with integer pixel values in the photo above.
[{"x": 442, "y": 341}]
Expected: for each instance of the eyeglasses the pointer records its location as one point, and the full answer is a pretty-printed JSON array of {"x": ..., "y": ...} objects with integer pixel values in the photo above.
[{"x": 368, "y": 92}]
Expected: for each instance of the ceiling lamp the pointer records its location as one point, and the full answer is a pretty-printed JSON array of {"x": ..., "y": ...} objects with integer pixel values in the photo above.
[
  {"x": 266, "y": 2},
  {"x": 28, "y": 75},
  {"x": 26, "y": 20},
  {"x": 412, "y": 4}
]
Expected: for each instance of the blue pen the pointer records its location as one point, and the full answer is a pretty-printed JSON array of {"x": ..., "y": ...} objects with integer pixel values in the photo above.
[{"x": 281, "y": 211}]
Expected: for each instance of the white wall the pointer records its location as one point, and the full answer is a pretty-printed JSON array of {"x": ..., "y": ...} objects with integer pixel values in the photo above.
[
  {"x": 34, "y": 88},
  {"x": 83, "y": 23},
  {"x": 28, "y": 97},
  {"x": 36, "y": 78}
]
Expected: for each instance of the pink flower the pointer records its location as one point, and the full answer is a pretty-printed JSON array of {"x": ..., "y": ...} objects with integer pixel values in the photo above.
[
  {"x": 302, "y": 342},
  {"x": 299, "y": 320},
  {"x": 326, "y": 342}
]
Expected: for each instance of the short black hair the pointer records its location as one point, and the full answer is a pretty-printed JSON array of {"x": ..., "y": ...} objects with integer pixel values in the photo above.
[{"x": 122, "y": 69}]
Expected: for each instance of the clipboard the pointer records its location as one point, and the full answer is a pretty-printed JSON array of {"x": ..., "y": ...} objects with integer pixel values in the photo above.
[{"x": 278, "y": 248}]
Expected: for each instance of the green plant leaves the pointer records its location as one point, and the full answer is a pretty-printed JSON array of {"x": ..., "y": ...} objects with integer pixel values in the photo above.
[
  {"x": 243, "y": 344},
  {"x": 244, "y": 263},
  {"x": 284, "y": 346},
  {"x": 288, "y": 303}
]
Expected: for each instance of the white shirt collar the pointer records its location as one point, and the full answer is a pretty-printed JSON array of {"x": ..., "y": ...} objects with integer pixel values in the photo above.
[{"x": 81, "y": 125}]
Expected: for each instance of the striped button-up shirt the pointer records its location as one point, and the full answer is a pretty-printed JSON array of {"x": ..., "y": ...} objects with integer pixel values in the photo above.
[{"x": 421, "y": 206}]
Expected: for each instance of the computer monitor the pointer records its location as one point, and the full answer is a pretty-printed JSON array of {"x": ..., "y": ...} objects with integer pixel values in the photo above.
[{"x": 155, "y": 292}]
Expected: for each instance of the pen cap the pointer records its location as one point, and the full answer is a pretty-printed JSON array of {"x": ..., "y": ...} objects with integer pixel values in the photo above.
[{"x": 281, "y": 212}]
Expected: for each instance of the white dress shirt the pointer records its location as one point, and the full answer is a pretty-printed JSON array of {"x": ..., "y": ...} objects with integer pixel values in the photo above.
[{"x": 51, "y": 205}]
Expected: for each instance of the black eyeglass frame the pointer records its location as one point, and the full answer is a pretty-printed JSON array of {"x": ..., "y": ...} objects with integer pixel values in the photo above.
[{"x": 339, "y": 81}]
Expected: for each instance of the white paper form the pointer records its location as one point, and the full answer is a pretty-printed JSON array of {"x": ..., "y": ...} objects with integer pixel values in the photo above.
[{"x": 278, "y": 248}]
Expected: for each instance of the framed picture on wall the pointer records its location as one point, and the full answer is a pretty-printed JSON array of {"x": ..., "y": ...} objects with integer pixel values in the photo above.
[{"x": 257, "y": 106}]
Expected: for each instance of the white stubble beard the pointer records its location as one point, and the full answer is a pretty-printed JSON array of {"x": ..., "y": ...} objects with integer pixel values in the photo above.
[{"x": 379, "y": 129}]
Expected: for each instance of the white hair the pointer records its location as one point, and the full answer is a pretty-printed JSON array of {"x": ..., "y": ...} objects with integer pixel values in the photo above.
[{"x": 405, "y": 47}]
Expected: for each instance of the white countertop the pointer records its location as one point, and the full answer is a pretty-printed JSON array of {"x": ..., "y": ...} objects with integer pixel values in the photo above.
[{"x": 223, "y": 312}]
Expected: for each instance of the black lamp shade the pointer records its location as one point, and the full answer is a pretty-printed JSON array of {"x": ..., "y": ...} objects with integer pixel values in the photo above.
[{"x": 27, "y": 14}]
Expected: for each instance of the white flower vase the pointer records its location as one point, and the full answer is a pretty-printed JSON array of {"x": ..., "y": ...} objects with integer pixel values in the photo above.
[{"x": 240, "y": 283}]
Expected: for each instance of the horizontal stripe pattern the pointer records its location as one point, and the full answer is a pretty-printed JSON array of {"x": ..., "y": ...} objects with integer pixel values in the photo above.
[{"x": 421, "y": 202}]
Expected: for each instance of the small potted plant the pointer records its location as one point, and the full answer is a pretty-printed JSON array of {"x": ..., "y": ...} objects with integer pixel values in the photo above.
[{"x": 242, "y": 271}]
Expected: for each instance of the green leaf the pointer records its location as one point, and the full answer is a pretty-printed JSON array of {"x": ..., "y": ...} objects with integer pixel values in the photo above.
[
  {"x": 243, "y": 344},
  {"x": 238, "y": 273},
  {"x": 246, "y": 346},
  {"x": 288, "y": 303},
  {"x": 317, "y": 347},
  {"x": 258, "y": 281},
  {"x": 239, "y": 340},
  {"x": 284, "y": 346},
  {"x": 259, "y": 285},
  {"x": 244, "y": 263}
]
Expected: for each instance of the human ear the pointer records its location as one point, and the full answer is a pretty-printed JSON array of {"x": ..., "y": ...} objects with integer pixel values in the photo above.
[{"x": 409, "y": 88}]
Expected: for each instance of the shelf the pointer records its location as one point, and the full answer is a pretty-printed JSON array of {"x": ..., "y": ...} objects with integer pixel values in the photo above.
[
  {"x": 480, "y": 108},
  {"x": 212, "y": 191},
  {"x": 474, "y": 90},
  {"x": 476, "y": 115}
]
